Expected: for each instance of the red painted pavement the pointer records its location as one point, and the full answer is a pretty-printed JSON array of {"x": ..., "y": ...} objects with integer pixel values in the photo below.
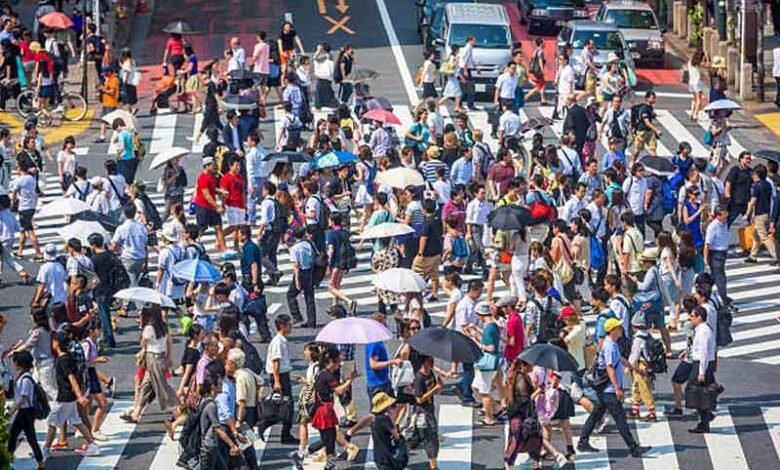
[{"x": 654, "y": 76}]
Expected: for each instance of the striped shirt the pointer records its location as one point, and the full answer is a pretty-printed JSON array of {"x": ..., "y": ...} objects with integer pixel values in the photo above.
[{"x": 430, "y": 168}]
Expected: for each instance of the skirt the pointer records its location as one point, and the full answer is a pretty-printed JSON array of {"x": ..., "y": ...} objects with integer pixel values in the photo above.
[
  {"x": 565, "y": 406},
  {"x": 325, "y": 417},
  {"x": 156, "y": 385},
  {"x": 323, "y": 94},
  {"x": 362, "y": 198},
  {"x": 452, "y": 88},
  {"x": 429, "y": 90}
]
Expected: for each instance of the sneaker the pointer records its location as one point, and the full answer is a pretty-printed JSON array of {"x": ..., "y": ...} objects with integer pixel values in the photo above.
[
  {"x": 637, "y": 451},
  {"x": 672, "y": 411},
  {"x": 751, "y": 260},
  {"x": 320, "y": 457},
  {"x": 584, "y": 446},
  {"x": 58, "y": 109},
  {"x": 352, "y": 452},
  {"x": 700, "y": 429},
  {"x": 59, "y": 446},
  {"x": 99, "y": 436},
  {"x": 633, "y": 414},
  {"x": 110, "y": 387},
  {"x": 560, "y": 461},
  {"x": 90, "y": 450},
  {"x": 353, "y": 306},
  {"x": 297, "y": 460}
]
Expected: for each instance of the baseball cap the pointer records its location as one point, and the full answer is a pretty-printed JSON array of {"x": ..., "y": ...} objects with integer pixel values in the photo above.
[
  {"x": 208, "y": 160},
  {"x": 611, "y": 324}
]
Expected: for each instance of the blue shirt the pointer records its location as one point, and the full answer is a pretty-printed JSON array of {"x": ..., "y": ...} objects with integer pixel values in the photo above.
[
  {"x": 462, "y": 171},
  {"x": 131, "y": 237},
  {"x": 376, "y": 378},
  {"x": 610, "y": 158},
  {"x": 610, "y": 356},
  {"x": 602, "y": 317},
  {"x": 226, "y": 402},
  {"x": 529, "y": 198},
  {"x": 126, "y": 137},
  {"x": 303, "y": 254},
  {"x": 250, "y": 253}
]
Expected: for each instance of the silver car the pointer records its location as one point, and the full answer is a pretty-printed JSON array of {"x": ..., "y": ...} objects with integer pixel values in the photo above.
[
  {"x": 640, "y": 28},
  {"x": 606, "y": 37}
]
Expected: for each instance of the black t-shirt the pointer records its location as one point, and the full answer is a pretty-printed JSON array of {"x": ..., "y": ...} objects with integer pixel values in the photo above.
[
  {"x": 741, "y": 181},
  {"x": 190, "y": 356},
  {"x": 762, "y": 191},
  {"x": 64, "y": 367},
  {"x": 288, "y": 40},
  {"x": 381, "y": 434},
  {"x": 324, "y": 384},
  {"x": 422, "y": 384},
  {"x": 645, "y": 112},
  {"x": 9, "y": 57},
  {"x": 432, "y": 229},
  {"x": 102, "y": 264},
  {"x": 29, "y": 159}
]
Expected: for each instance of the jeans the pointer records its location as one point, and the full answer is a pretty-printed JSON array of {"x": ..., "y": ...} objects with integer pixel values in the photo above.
[
  {"x": 717, "y": 263},
  {"x": 465, "y": 383},
  {"x": 255, "y": 198},
  {"x": 608, "y": 402},
  {"x": 104, "y": 313},
  {"x": 134, "y": 268},
  {"x": 307, "y": 287},
  {"x": 25, "y": 422},
  {"x": 127, "y": 169},
  {"x": 6, "y": 247},
  {"x": 345, "y": 92},
  {"x": 257, "y": 309}
]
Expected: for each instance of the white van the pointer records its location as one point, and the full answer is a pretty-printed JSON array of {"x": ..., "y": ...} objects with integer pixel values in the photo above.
[{"x": 489, "y": 24}]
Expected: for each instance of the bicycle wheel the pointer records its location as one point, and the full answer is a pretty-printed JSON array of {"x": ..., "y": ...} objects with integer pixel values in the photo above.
[
  {"x": 25, "y": 103},
  {"x": 75, "y": 107}
]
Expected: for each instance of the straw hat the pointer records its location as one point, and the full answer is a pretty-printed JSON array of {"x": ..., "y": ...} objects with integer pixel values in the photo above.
[
  {"x": 35, "y": 46},
  {"x": 507, "y": 301},
  {"x": 718, "y": 62},
  {"x": 612, "y": 57},
  {"x": 380, "y": 402},
  {"x": 650, "y": 254}
]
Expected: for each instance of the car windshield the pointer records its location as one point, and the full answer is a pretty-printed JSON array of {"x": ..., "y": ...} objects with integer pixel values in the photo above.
[
  {"x": 438, "y": 15},
  {"x": 632, "y": 19},
  {"x": 604, "y": 40},
  {"x": 488, "y": 36}
]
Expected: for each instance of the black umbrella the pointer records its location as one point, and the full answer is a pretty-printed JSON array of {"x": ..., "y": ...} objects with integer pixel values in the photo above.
[
  {"x": 445, "y": 344},
  {"x": 663, "y": 165},
  {"x": 179, "y": 27},
  {"x": 364, "y": 75},
  {"x": 379, "y": 102},
  {"x": 535, "y": 124},
  {"x": 549, "y": 357},
  {"x": 238, "y": 102},
  {"x": 767, "y": 154},
  {"x": 243, "y": 74},
  {"x": 292, "y": 157},
  {"x": 107, "y": 222},
  {"x": 510, "y": 217}
]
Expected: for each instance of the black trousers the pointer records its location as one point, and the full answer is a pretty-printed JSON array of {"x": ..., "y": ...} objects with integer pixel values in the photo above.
[
  {"x": 127, "y": 169},
  {"x": 25, "y": 422},
  {"x": 608, "y": 403},
  {"x": 705, "y": 416},
  {"x": 327, "y": 440},
  {"x": 307, "y": 287},
  {"x": 284, "y": 378},
  {"x": 717, "y": 264},
  {"x": 269, "y": 245},
  {"x": 257, "y": 309}
]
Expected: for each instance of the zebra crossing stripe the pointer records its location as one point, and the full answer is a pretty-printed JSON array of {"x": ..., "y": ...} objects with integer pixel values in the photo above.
[
  {"x": 595, "y": 460},
  {"x": 163, "y": 133},
  {"x": 197, "y": 147},
  {"x": 167, "y": 452},
  {"x": 455, "y": 425},
  {"x": 404, "y": 114},
  {"x": 735, "y": 148},
  {"x": 680, "y": 132},
  {"x": 749, "y": 349},
  {"x": 658, "y": 435},
  {"x": 771, "y": 417},
  {"x": 723, "y": 444}
]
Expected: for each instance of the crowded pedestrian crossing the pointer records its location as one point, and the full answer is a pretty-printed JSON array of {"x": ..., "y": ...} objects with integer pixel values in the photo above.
[{"x": 738, "y": 430}]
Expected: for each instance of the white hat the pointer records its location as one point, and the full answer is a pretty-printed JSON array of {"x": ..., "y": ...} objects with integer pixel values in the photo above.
[
  {"x": 208, "y": 160},
  {"x": 50, "y": 252}
]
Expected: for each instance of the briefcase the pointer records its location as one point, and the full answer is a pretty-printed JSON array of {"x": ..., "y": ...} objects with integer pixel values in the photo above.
[
  {"x": 276, "y": 408},
  {"x": 700, "y": 397}
]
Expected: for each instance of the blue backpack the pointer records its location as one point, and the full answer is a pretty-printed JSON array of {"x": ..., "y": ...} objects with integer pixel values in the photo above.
[
  {"x": 668, "y": 201},
  {"x": 460, "y": 249},
  {"x": 598, "y": 258}
]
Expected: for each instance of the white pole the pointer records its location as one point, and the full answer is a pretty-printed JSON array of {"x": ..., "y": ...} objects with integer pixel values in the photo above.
[{"x": 96, "y": 13}]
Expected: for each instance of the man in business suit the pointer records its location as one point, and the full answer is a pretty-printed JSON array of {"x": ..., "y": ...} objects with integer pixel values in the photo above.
[
  {"x": 231, "y": 134},
  {"x": 576, "y": 121}
]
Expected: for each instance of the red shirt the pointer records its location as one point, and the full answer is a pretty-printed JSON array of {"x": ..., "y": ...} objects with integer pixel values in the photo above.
[
  {"x": 502, "y": 175},
  {"x": 234, "y": 185},
  {"x": 175, "y": 46},
  {"x": 208, "y": 182},
  {"x": 459, "y": 211},
  {"x": 514, "y": 328}
]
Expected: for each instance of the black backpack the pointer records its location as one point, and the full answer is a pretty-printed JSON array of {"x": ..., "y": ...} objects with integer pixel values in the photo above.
[
  {"x": 191, "y": 437},
  {"x": 657, "y": 357},
  {"x": 118, "y": 278},
  {"x": 636, "y": 112},
  {"x": 614, "y": 126},
  {"x": 281, "y": 222},
  {"x": 725, "y": 319},
  {"x": 549, "y": 326},
  {"x": 82, "y": 196},
  {"x": 40, "y": 403},
  {"x": 152, "y": 215},
  {"x": 324, "y": 214},
  {"x": 349, "y": 258}
]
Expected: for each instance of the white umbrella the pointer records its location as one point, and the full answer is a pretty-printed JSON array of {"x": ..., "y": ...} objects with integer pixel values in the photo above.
[
  {"x": 144, "y": 295},
  {"x": 167, "y": 155},
  {"x": 722, "y": 105},
  {"x": 81, "y": 230},
  {"x": 387, "y": 229},
  {"x": 400, "y": 178},
  {"x": 399, "y": 280},
  {"x": 129, "y": 119},
  {"x": 64, "y": 206}
]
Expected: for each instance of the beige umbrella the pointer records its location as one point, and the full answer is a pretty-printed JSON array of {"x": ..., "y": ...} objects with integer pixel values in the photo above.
[
  {"x": 63, "y": 206},
  {"x": 167, "y": 155},
  {"x": 385, "y": 230},
  {"x": 129, "y": 119},
  {"x": 81, "y": 230},
  {"x": 400, "y": 178}
]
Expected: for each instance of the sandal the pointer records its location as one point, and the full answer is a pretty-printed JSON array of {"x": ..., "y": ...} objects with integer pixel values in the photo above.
[
  {"x": 128, "y": 419},
  {"x": 484, "y": 424}
]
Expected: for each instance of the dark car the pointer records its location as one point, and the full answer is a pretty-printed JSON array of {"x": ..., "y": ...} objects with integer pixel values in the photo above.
[{"x": 549, "y": 15}]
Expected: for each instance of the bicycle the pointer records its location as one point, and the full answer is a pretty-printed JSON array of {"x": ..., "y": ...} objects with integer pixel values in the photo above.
[{"x": 73, "y": 107}]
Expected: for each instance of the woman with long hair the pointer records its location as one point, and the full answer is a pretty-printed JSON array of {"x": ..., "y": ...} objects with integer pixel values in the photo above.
[
  {"x": 695, "y": 83},
  {"x": 157, "y": 347},
  {"x": 39, "y": 345},
  {"x": 365, "y": 176},
  {"x": 128, "y": 79},
  {"x": 191, "y": 79},
  {"x": 670, "y": 278},
  {"x": 692, "y": 212},
  {"x": 580, "y": 247},
  {"x": 455, "y": 76},
  {"x": 521, "y": 407}
]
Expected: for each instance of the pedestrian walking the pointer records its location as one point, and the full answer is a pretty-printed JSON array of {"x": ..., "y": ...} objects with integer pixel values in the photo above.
[
  {"x": 24, "y": 407},
  {"x": 302, "y": 255},
  {"x": 278, "y": 367}
]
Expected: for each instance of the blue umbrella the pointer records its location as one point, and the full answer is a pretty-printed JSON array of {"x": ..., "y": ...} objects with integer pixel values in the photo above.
[
  {"x": 195, "y": 270},
  {"x": 333, "y": 159}
]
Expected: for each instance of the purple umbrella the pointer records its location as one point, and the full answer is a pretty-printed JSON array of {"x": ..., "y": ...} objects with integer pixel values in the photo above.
[{"x": 353, "y": 330}]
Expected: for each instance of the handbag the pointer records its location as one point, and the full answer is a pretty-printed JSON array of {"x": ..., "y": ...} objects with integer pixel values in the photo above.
[
  {"x": 700, "y": 397},
  {"x": 276, "y": 408},
  {"x": 591, "y": 352},
  {"x": 400, "y": 455},
  {"x": 402, "y": 375},
  {"x": 488, "y": 362},
  {"x": 140, "y": 359},
  {"x": 596, "y": 377},
  {"x": 577, "y": 274}
]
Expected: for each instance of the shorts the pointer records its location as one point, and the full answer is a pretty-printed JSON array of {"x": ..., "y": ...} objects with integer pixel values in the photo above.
[
  {"x": 646, "y": 140},
  {"x": 106, "y": 110},
  {"x": 262, "y": 79},
  {"x": 696, "y": 87},
  {"x": 387, "y": 388},
  {"x": 177, "y": 61},
  {"x": 539, "y": 81},
  {"x": 336, "y": 274},
  {"x": 235, "y": 216},
  {"x": 682, "y": 372},
  {"x": 655, "y": 319},
  {"x": 483, "y": 381},
  {"x": 565, "y": 408},
  {"x": 590, "y": 84},
  {"x": 47, "y": 91},
  {"x": 94, "y": 383},
  {"x": 427, "y": 267},
  {"x": 63, "y": 413},
  {"x": 206, "y": 218},
  {"x": 26, "y": 219}
]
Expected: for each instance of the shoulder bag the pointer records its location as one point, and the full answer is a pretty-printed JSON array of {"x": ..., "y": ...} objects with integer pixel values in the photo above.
[
  {"x": 566, "y": 269},
  {"x": 403, "y": 375}
]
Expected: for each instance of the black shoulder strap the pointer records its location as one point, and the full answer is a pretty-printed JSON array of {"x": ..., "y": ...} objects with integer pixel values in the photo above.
[{"x": 111, "y": 182}]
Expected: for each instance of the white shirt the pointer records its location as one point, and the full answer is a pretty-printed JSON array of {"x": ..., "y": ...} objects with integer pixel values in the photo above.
[
  {"x": 240, "y": 55},
  {"x": 24, "y": 186},
  {"x": 567, "y": 160},
  {"x": 572, "y": 208},
  {"x": 466, "y": 57},
  {"x": 153, "y": 343},
  {"x": 620, "y": 310},
  {"x": 73, "y": 263},
  {"x": 323, "y": 70},
  {"x": 169, "y": 256},
  {"x": 506, "y": 83},
  {"x": 131, "y": 237},
  {"x": 477, "y": 212},
  {"x": 54, "y": 278},
  {"x": 598, "y": 220},
  {"x": 428, "y": 72},
  {"x": 277, "y": 349},
  {"x": 68, "y": 161},
  {"x": 443, "y": 191},
  {"x": 566, "y": 80},
  {"x": 9, "y": 226},
  {"x": 312, "y": 205},
  {"x": 509, "y": 124},
  {"x": 119, "y": 183},
  {"x": 465, "y": 313},
  {"x": 267, "y": 212},
  {"x": 703, "y": 349},
  {"x": 776, "y": 62},
  {"x": 255, "y": 166},
  {"x": 98, "y": 202},
  {"x": 634, "y": 190}
]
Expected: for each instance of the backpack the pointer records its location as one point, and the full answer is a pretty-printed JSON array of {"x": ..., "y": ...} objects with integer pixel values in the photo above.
[
  {"x": 657, "y": 357},
  {"x": 487, "y": 158},
  {"x": 281, "y": 221},
  {"x": 138, "y": 146},
  {"x": 541, "y": 210},
  {"x": 624, "y": 343},
  {"x": 460, "y": 249},
  {"x": 152, "y": 215},
  {"x": 668, "y": 201},
  {"x": 293, "y": 129},
  {"x": 181, "y": 256},
  {"x": 598, "y": 258},
  {"x": 636, "y": 111},
  {"x": 324, "y": 215},
  {"x": 191, "y": 434},
  {"x": 549, "y": 325},
  {"x": 82, "y": 196},
  {"x": 220, "y": 162},
  {"x": 201, "y": 252},
  {"x": 349, "y": 259},
  {"x": 536, "y": 64},
  {"x": 253, "y": 360},
  {"x": 709, "y": 138},
  {"x": 92, "y": 278},
  {"x": 347, "y": 127},
  {"x": 98, "y": 46},
  {"x": 40, "y": 403},
  {"x": 118, "y": 278},
  {"x": 725, "y": 319},
  {"x": 614, "y": 126}
]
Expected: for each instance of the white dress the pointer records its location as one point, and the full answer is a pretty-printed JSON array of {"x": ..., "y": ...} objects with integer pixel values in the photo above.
[
  {"x": 362, "y": 197},
  {"x": 452, "y": 87}
]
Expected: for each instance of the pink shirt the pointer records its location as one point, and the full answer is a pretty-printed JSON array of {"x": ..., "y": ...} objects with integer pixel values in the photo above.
[
  {"x": 514, "y": 328},
  {"x": 260, "y": 56}
]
